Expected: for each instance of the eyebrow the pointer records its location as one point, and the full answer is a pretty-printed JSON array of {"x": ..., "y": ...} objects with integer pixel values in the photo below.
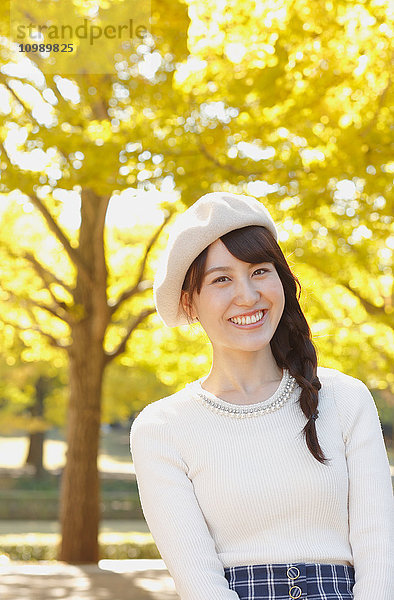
[{"x": 212, "y": 269}]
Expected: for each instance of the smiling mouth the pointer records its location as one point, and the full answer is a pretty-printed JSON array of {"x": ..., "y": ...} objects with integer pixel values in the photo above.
[{"x": 249, "y": 320}]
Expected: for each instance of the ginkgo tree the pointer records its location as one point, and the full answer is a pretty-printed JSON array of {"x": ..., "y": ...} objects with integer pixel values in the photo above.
[
  {"x": 32, "y": 388},
  {"x": 72, "y": 135},
  {"x": 283, "y": 100}
]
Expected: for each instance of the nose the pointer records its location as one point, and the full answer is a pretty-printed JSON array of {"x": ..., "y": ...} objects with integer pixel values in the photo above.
[{"x": 246, "y": 293}]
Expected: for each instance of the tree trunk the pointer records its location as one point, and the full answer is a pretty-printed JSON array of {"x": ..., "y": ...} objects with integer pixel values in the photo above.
[
  {"x": 80, "y": 493},
  {"x": 79, "y": 500},
  {"x": 35, "y": 452},
  {"x": 36, "y": 439}
]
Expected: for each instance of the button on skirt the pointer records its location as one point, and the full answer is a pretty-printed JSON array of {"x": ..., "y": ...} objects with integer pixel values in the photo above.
[{"x": 284, "y": 581}]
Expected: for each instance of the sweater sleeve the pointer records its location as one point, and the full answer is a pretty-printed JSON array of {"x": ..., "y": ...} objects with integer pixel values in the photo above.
[
  {"x": 370, "y": 500},
  {"x": 172, "y": 511}
]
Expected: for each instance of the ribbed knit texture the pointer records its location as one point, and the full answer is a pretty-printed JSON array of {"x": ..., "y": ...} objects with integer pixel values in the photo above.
[{"x": 219, "y": 491}]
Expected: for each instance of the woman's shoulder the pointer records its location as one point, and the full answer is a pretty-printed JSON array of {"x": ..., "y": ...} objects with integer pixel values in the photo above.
[
  {"x": 349, "y": 394},
  {"x": 167, "y": 407},
  {"x": 329, "y": 375}
]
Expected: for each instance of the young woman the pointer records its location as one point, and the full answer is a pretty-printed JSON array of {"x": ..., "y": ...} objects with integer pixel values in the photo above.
[{"x": 267, "y": 478}]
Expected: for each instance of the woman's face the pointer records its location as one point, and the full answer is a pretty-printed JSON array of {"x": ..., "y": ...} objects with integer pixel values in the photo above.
[{"x": 232, "y": 288}]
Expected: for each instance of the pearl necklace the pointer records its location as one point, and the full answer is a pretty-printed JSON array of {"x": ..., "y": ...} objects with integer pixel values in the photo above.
[{"x": 241, "y": 411}]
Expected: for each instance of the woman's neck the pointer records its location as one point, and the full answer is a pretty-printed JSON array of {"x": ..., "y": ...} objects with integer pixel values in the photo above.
[{"x": 244, "y": 375}]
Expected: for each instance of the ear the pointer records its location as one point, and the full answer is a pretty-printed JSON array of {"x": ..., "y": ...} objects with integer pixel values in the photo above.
[{"x": 186, "y": 305}]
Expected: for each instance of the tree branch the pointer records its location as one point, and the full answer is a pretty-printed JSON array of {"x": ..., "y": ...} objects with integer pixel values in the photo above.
[
  {"x": 47, "y": 277},
  {"x": 66, "y": 318},
  {"x": 7, "y": 158},
  {"x": 52, "y": 310},
  {"x": 99, "y": 107},
  {"x": 21, "y": 102},
  {"x": 61, "y": 236},
  {"x": 140, "y": 285},
  {"x": 122, "y": 346},
  {"x": 224, "y": 165},
  {"x": 371, "y": 309},
  {"x": 52, "y": 339}
]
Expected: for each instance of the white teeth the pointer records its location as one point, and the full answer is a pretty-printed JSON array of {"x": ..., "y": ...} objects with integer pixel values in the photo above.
[{"x": 247, "y": 320}]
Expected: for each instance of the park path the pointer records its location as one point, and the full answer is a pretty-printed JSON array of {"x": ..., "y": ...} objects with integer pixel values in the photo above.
[{"x": 110, "y": 580}]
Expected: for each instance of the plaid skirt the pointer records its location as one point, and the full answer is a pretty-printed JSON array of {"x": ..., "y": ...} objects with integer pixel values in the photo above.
[{"x": 284, "y": 581}]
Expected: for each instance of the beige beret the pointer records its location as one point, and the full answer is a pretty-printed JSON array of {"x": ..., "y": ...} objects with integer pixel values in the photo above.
[{"x": 210, "y": 217}]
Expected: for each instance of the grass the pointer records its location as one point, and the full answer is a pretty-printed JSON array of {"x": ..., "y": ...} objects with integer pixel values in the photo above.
[
  {"x": 33, "y": 546},
  {"x": 48, "y": 532},
  {"x": 120, "y": 527},
  {"x": 50, "y": 483}
]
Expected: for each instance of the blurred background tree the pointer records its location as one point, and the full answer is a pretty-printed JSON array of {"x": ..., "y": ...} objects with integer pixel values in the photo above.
[{"x": 285, "y": 101}]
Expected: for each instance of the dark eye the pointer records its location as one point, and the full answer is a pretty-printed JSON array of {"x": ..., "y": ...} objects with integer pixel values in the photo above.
[
  {"x": 219, "y": 278},
  {"x": 262, "y": 269}
]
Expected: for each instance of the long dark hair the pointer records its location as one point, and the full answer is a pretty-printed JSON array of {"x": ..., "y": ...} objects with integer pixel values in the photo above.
[{"x": 291, "y": 343}]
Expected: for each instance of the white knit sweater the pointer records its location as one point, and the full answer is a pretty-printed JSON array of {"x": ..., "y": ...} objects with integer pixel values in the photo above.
[{"x": 220, "y": 491}]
